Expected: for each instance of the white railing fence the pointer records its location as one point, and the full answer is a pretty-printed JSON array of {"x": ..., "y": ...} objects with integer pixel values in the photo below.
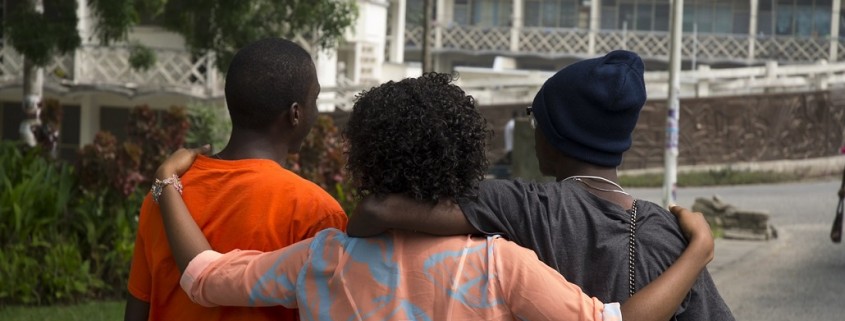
[
  {"x": 649, "y": 44},
  {"x": 175, "y": 71},
  {"x": 512, "y": 87}
]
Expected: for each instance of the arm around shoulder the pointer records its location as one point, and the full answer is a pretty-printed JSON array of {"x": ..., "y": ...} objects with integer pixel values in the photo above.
[
  {"x": 238, "y": 278},
  {"x": 374, "y": 215}
]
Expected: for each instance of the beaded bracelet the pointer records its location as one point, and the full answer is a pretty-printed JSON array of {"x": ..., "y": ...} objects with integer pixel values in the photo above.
[{"x": 158, "y": 186}]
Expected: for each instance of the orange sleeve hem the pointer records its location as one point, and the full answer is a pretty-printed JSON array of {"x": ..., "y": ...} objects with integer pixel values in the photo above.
[{"x": 138, "y": 294}]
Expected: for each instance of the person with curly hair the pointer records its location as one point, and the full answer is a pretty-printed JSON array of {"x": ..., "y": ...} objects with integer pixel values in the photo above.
[
  {"x": 583, "y": 224},
  {"x": 422, "y": 138}
]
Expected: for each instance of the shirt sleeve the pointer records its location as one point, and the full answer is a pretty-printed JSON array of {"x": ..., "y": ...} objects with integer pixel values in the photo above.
[
  {"x": 662, "y": 242},
  {"x": 328, "y": 215},
  {"x": 246, "y": 278},
  {"x": 535, "y": 291},
  {"x": 704, "y": 302},
  {"x": 335, "y": 218},
  {"x": 140, "y": 278}
]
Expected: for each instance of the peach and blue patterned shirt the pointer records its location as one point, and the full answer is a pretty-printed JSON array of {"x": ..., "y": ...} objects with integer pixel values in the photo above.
[{"x": 396, "y": 276}]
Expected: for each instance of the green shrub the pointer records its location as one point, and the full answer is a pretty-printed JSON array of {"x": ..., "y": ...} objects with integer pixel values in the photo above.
[
  {"x": 67, "y": 235},
  {"x": 39, "y": 259},
  {"x": 17, "y": 282},
  {"x": 114, "y": 179},
  {"x": 141, "y": 58},
  {"x": 210, "y": 124}
]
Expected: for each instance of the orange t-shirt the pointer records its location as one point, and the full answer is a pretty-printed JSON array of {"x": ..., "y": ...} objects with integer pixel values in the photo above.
[{"x": 245, "y": 204}]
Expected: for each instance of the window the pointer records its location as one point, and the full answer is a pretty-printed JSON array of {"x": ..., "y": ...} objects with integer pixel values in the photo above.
[
  {"x": 12, "y": 117},
  {"x": 414, "y": 13},
  {"x": 662, "y": 16},
  {"x": 551, "y": 13},
  {"x": 723, "y": 20},
  {"x": 708, "y": 16},
  {"x": 490, "y": 13},
  {"x": 803, "y": 18},
  {"x": 783, "y": 18},
  {"x": 461, "y": 13},
  {"x": 765, "y": 18},
  {"x": 114, "y": 120},
  {"x": 626, "y": 16},
  {"x": 531, "y": 14},
  {"x": 740, "y": 22},
  {"x": 69, "y": 137},
  {"x": 644, "y": 16},
  {"x": 608, "y": 17},
  {"x": 821, "y": 19}
]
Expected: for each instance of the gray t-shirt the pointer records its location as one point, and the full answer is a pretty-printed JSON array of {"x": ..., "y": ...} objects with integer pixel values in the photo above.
[{"x": 585, "y": 238}]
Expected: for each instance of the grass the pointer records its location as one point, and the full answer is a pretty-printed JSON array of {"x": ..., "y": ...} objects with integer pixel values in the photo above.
[
  {"x": 90, "y": 311},
  {"x": 709, "y": 178}
]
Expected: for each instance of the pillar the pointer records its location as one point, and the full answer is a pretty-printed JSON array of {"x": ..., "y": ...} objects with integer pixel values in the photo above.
[
  {"x": 702, "y": 86},
  {"x": 439, "y": 22},
  {"x": 595, "y": 23},
  {"x": 397, "y": 25},
  {"x": 752, "y": 29},
  {"x": 834, "y": 30},
  {"x": 516, "y": 24},
  {"x": 326, "y": 63}
]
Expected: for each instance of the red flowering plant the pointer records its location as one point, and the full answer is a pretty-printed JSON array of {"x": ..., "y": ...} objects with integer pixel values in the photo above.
[
  {"x": 114, "y": 178},
  {"x": 322, "y": 160}
]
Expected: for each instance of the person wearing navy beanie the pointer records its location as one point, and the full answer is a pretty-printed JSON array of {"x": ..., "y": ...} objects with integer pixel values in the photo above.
[
  {"x": 589, "y": 109},
  {"x": 583, "y": 224}
]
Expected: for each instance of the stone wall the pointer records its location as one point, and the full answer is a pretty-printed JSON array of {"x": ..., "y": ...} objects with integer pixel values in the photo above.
[
  {"x": 756, "y": 128},
  {"x": 726, "y": 130},
  {"x": 716, "y": 130}
]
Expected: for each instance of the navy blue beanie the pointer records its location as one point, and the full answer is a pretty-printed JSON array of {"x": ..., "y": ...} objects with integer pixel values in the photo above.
[{"x": 589, "y": 109}]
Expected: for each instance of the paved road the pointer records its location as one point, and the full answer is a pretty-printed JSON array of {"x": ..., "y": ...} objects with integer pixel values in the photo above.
[{"x": 800, "y": 275}]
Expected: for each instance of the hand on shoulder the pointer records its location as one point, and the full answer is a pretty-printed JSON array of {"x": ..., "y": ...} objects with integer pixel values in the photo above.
[{"x": 180, "y": 161}]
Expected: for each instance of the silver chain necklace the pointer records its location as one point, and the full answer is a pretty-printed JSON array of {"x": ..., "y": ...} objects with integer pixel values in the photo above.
[
  {"x": 632, "y": 228},
  {"x": 619, "y": 189}
]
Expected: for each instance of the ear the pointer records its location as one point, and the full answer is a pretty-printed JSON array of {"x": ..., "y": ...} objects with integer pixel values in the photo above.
[{"x": 295, "y": 114}]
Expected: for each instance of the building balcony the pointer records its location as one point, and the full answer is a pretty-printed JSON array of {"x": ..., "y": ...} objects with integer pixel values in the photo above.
[
  {"x": 560, "y": 42},
  {"x": 107, "y": 68}
]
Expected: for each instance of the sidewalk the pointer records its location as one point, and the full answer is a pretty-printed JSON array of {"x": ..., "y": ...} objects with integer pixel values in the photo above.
[{"x": 728, "y": 252}]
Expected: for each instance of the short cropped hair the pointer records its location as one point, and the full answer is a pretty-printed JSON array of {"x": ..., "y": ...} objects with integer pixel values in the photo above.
[
  {"x": 264, "y": 79},
  {"x": 421, "y": 137}
]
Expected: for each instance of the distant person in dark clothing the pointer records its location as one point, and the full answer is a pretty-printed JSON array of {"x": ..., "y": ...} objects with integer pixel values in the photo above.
[
  {"x": 584, "y": 224},
  {"x": 509, "y": 128}
]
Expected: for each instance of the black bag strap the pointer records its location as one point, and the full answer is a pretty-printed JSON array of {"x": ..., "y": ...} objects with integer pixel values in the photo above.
[
  {"x": 836, "y": 229},
  {"x": 632, "y": 251}
]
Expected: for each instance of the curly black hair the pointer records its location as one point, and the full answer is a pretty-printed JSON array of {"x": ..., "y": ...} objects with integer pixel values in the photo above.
[{"x": 422, "y": 137}]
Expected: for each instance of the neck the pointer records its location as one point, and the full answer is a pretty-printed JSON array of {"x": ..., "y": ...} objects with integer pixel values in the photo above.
[
  {"x": 246, "y": 144},
  {"x": 577, "y": 168},
  {"x": 582, "y": 169}
]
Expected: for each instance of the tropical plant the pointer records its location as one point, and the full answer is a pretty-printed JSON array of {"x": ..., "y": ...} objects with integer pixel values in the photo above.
[
  {"x": 209, "y": 124},
  {"x": 39, "y": 260},
  {"x": 322, "y": 160}
]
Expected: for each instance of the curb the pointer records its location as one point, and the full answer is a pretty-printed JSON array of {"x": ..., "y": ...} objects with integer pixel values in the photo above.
[{"x": 812, "y": 167}]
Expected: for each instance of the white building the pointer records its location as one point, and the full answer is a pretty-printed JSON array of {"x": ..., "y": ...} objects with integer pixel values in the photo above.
[{"x": 502, "y": 49}]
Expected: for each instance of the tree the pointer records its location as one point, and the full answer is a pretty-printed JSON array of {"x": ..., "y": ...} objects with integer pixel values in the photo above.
[
  {"x": 224, "y": 26},
  {"x": 44, "y": 29}
]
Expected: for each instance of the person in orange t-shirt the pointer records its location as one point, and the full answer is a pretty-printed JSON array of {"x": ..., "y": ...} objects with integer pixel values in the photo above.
[{"x": 242, "y": 197}]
